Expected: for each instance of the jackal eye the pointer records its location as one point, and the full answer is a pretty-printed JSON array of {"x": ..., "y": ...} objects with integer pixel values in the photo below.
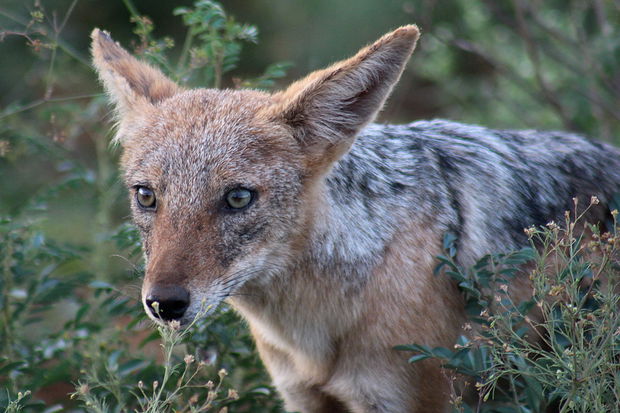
[
  {"x": 145, "y": 197},
  {"x": 239, "y": 198}
]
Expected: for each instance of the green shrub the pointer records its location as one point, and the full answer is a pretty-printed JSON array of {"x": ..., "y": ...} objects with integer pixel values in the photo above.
[
  {"x": 558, "y": 349},
  {"x": 524, "y": 63},
  {"x": 64, "y": 329}
]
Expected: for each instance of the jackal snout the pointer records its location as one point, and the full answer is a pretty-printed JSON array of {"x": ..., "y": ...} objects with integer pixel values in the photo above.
[
  {"x": 165, "y": 289},
  {"x": 167, "y": 302}
]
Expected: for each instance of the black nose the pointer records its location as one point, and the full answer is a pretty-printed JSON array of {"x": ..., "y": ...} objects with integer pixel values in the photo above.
[{"x": 172, "y": 301}]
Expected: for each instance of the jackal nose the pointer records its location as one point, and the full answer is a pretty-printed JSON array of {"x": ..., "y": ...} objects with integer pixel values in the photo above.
[{"x": 172, "y": 301}]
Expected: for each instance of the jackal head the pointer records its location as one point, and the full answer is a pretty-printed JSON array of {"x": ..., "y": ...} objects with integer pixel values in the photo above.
[{"x": 224, "y": 184}]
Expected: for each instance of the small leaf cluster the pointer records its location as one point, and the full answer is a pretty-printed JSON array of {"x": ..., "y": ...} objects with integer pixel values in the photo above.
[{"x": 211, "y": 48}]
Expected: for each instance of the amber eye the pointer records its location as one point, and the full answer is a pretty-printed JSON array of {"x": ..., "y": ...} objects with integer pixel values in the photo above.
[
  {"x": 239, "y": 198},
  {"x": 145, "y": 197}
]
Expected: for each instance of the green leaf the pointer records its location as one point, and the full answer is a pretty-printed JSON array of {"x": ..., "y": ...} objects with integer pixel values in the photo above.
[
  {"x": 448, "y": 241},
  {"x": 101, "y": 285},
  {"x": 418, "y": 357},
  {"x": 442, "y": 352},
  {"x": 412, "y": 347},
  {"x": 11, "y": 366},
  {"x": 151, "y": 337},
  {"x": 132, "y": 366},
  {"x": 266, "y": 391},
  {"x": 53, "y": 409},
  {"x": 180, "y": 11}
]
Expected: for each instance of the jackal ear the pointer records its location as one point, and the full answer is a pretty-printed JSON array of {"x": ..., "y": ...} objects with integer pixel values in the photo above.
[
  {"x": 130, "y": 83},
  {"x": 329, "y": 107}
]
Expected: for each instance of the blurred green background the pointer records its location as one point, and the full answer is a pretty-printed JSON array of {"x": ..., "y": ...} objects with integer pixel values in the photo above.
[{"x": 552, "y": 64}]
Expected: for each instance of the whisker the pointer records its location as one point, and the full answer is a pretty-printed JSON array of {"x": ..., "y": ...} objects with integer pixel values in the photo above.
[
  {"x": 237, "y": 294},
  {"x": 134, "y": 266}
]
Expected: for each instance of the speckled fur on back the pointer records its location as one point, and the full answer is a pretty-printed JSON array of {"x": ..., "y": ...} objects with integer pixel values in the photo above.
[
  {"x": 483, "y": 185},
  {"x": 331, "y": 259}
]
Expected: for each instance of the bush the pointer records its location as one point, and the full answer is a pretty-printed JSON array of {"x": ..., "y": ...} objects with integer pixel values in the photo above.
[
  {"x": 558, "y": 349},
  {"x": 524, "y": 63}
]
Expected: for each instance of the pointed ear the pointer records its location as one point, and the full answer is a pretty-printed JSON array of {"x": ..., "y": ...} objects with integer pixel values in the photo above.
[
  {"x": 329, "y": 107},
  {"x": 131, "y": 84}
]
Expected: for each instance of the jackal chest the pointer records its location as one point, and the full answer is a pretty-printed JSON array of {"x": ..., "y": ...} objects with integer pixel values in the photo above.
[
  {"x": 303, "y": 326},
  {"x": 304, "y": 349}
]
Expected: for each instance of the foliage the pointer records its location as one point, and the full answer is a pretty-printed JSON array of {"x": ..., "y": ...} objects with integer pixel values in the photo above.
[
  {"x": 106, "y": 341},
  {"x": 211, "y": 48},
  {"x": 558, "y": 348},
  {"x": 185, "y": 386},
  {"x": 220, "y": 38},
  {"x": 552, "y": 64},
  {"x": 63, "y": 324}
]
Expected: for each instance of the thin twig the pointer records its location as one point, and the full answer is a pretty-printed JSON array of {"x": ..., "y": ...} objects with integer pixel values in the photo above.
[
  {"x": 533, "y": 52},
  {"x": 65, "y": 47},
  {"x": 42, "y": 101}
]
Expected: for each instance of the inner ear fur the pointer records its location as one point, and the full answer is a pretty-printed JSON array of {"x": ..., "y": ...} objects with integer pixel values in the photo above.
[
  {"x": 328, "y": 108},
  {"x": 130, "y": 82}
]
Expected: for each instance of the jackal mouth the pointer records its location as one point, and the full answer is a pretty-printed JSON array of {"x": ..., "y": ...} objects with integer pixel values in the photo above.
[{"x": 184, "y": 322}]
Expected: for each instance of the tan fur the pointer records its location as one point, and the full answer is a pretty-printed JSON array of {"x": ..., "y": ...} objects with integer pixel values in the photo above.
[{"x": 362, "y": 333}]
